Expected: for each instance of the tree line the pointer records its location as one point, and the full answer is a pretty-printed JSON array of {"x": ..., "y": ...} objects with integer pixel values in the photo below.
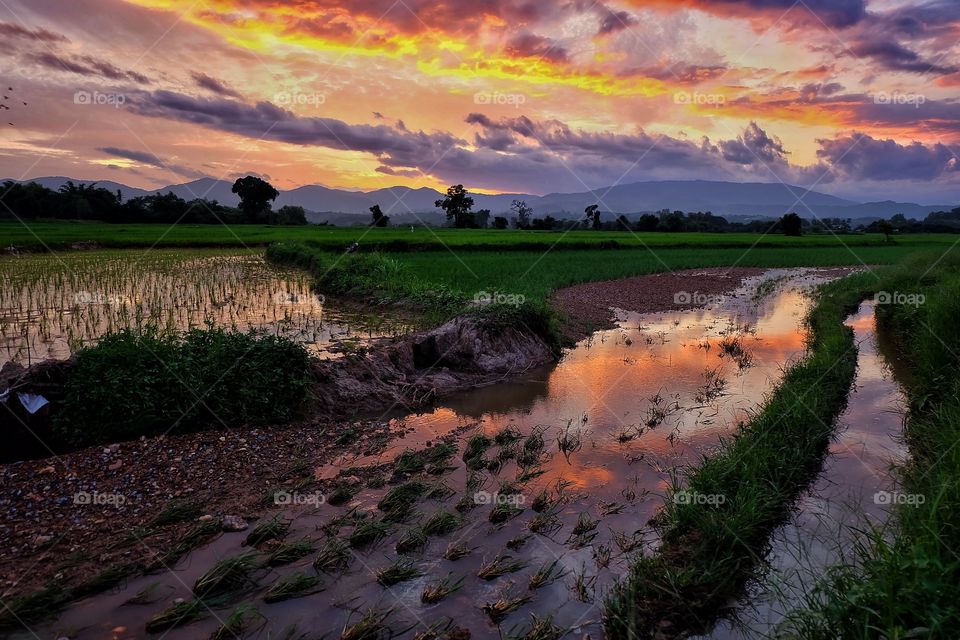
[{"x": 31, "y": 201}]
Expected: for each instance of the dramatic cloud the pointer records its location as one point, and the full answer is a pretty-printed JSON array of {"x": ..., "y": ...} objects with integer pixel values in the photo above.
[
  {"x": 861, "y": 157},
  {"x": 212, "y": 84}
]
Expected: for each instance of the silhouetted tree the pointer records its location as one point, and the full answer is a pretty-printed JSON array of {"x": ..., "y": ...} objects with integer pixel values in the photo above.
[
  {"x": 481, "y": 218},
  {"x": 647, "y": 222},
  {"x": 256, "y": 195},
  {"x": 592, "y": 216},
  {"x": 289, "y": 215},
  {"x": 523, "y": 212},
  {"x": 500, "y": 223},
  {"x": 886, "y": 229},
  {"x": 792, "y": 225},
  {"x": 378, "y": 219},
  {"x": 457, "y": 206}
]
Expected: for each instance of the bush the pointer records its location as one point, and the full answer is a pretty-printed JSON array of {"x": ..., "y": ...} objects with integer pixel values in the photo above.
[{"x": 132, "y": 384}]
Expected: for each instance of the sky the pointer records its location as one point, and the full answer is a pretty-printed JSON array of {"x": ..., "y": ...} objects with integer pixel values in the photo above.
[{"x": 858, "y": 98}]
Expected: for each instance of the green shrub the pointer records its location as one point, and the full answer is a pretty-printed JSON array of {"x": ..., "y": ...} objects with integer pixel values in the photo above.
[{"x": 132, "y": 384}]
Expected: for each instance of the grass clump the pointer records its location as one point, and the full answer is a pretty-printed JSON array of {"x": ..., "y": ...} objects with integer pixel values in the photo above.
[
  {"x": 500, "y": 566},
  {"x": 341, "y": 495},
  {"x": 441, "y": 523},
  {"x": 368, "y": 533},
  {"x": 413, "y": 539},
  {"x": 506, "y": 603},
  {"x": 227, "y": 576},
  {"x": 176, "y": 615},
  {"x": 399, "y": 571},
  {"x": 145, "y": 383},
  {"x": 396, "y": 504},
  {"x": 273, "y": 529},
  {"x": 293, "y": 586},
  {"x": 237, "y": 623},
  {"x": 437, "y": 591},
  {"x": 290, "y": 552},
  {"x": 334, "y": 555},
  {"x": 549, "y": 572},
  {"x": 176, "y": 510}
]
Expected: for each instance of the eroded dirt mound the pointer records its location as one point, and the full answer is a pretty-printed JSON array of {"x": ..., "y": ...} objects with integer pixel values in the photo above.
[
  {"x": 418, "y": 368},
  {"x": 588, "y": 305}
]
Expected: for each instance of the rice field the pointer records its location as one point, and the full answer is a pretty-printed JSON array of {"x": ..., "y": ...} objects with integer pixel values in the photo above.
[{"x": 51, "y": 305}]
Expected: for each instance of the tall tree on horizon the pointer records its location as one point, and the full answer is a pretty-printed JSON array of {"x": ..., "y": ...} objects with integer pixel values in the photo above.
[{"x": 457, "y": 206}]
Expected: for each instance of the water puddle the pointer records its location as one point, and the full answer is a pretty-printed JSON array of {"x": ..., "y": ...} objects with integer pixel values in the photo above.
[
  {"x": 581, "y": 458},
  {"x": 855, "y": 487},
  {"x": 51, "y": 305}
]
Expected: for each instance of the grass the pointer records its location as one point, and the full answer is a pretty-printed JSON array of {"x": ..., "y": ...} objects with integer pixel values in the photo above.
[
  {"x": 227, "y": 576},
  {"x": 368, "y": 533},
  {"x": 904, "y": 582},
  {"x": 413, "y": 539},
  {"x": 500, "y": 566},
  {"x": 506, "y": 603},
  {"x": 176, "y": 615},
  {"x": 437, "y": 591},
  {"x": 334, "y": 555},
  {"x": 546, "y": 574},
  {"x": 290, "y": 552},
  {"x": 441, "y": 523},
  {"x": 710, "y": 547},
  {"x": 370, "y": 626},
  {"x": 400, "y": 571},
  {"x": 273, "y": 529},
  {"x": 177, "y": 510},
  {"x": 397, "y": 502},
  {"x": 296, "y": 585},
  {"x": 237, "y": 623}
]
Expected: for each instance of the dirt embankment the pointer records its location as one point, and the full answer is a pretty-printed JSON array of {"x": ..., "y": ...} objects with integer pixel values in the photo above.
[{"x": 588, "y": 305}]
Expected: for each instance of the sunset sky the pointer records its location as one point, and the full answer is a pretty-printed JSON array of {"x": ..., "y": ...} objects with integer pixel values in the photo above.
[{"x": 859, "y": 98}]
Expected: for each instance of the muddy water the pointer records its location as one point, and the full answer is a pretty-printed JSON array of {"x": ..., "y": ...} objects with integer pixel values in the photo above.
[
  {"x": 632, "y": 407},
  {"x": 853, "y": 490},
  {"x": 51, "y": 305}
]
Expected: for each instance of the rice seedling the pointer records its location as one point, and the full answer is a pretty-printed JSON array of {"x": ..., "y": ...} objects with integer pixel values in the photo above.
[
  {"x": 226, "y": 576},
  {"x": 547, "y": 573},
  {"x": 467, "y": 502},
  {"x": 545, "y": 523},
  {"x": 583, "y": 586},
  {"x": 625, "y": 543},
  {"x": 368, "y": 533},
  {"x": 441, "y": 523},
  {"x": 106, "y": 579},
  {"x": 413, "y": 539},
  {"x": 601, "y": 555},
  {"x": 290, "y": 552},
  {"x": 518, "y": 541},
  {"x": 341, "y": 495},
  {"x": 153, "y": 592},
  {"x": 400, "y": 571},
  {"x": 526, "y": 474},
  {"x": 570, "y": 440},
  {"x": 32, "y": 606},
  {"x": 437, "y": 591},
  {"x": 334, "y": 555},
  {"x": 396, "y": 504},
  {"x": 238, "y": 623},
  {"x": 610, "y": 508},
  {"x": 439, "y": 630},
  {"x": 473, "y": 454},
  {"x": 377, "y": 482},
  {"x": 440, "y": 453},
  {"x": 457, "y": 550},
  {"x": 293, "y": 586},
  {"x": 506, "y": 603},
  {"x": 176, "y": 615},
  {"x": 539, "y": 629},
  {"x": 507, "y": 435},
  {"x": 176, "y": 510},
  {"x": 332, "y": 527},
  {"x": 500, "y": 566},
  {"x": 409, "y": 462},
  {"x": 532, "y": 450},
  {"x": 273, "y": 529},
  {"x": 503, "y": 511},
  {"x": 542, "y": 501},
  {"x": 585, "y": 524},
  {"x": 371, "y": 626},
  {"x": 439, "y": 491}
]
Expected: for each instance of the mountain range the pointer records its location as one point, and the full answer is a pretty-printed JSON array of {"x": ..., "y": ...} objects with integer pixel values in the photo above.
[{"x": 406, "y": 205}]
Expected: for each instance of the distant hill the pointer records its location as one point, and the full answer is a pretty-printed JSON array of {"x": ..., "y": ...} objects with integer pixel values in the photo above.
[{"x": 407, "y": 206}]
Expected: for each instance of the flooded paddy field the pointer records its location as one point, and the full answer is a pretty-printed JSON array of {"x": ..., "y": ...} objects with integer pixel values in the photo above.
[
  {"x": 53, "y": 304},
  {"x": 506, "y": 510}
]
